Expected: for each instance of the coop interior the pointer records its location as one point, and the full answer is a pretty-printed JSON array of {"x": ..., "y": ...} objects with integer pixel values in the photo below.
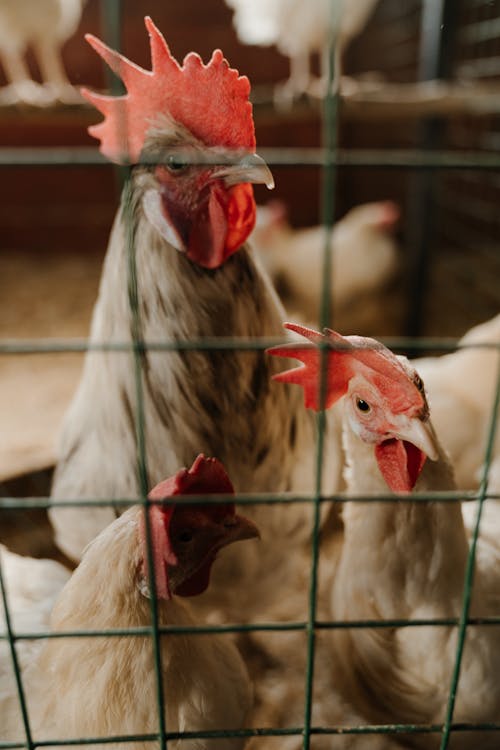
[{"x": 384, "y": 223}]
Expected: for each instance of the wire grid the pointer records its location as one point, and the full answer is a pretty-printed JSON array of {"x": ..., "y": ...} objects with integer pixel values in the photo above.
[
  {"x": 330, "y": 157},
  {"x": 467, "y": 201}
]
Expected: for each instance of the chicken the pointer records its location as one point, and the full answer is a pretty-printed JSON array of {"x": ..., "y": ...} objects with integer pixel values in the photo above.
[
  {"x": 106, "y": 686},
  {"x": 364, "y": 258},
  {"x": 405, "y": 559},
  {"x": 32, "y": 587},
  {"x": 461, "y": 387},
  {"x": 300, "y": 29},
  {"x": 43, "y": 25},
  {"x": 186, "y": 222}
]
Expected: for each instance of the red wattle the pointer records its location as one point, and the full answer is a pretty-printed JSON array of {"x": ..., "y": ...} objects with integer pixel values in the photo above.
[
  {"x": 241, "y": 214},
  {"x": 400, "y": 463},
  {"x": 162, "y": 554},
  {"x": 221, "y": 225},
  {"x": 207, "y": 235},
  {"x": 198, "y": 583}
]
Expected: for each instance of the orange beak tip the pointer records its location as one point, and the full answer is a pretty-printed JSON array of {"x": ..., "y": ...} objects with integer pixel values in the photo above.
[{"x": 247, "y": 529}]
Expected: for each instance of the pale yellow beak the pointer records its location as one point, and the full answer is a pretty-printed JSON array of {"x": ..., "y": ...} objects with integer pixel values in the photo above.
[
  {"x": 240, "y": 528},
  {"x": 250, "y": 168},
  {"x": 420, "y": 434}
]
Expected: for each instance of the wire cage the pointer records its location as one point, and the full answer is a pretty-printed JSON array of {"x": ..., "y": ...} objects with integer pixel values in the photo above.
[{"x": 426, "y": 135}]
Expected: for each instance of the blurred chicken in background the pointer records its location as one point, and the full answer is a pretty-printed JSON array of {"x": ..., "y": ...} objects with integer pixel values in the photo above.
[
  {"x": 44, "y": 26},
  {"x": 299, "y": 30},
  {"x": 364, "y": 258},
  {"x": 461, "y": 387},
  {"x": 33, "y": 586}
]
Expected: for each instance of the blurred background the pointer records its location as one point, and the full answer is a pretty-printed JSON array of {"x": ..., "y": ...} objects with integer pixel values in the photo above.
[{"x": 416, "y": 127}]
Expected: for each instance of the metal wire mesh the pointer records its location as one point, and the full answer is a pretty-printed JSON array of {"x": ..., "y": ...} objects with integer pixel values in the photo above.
[{"x": 330, "y": 158}]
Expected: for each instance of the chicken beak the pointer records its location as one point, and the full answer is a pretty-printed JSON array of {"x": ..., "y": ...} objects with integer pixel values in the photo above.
[
  {"x": 239, "y": 528},
  {"x": 250, "y": 168},
  {"x": 402, "y": 453},
  {"x": 419, "y": 433}
]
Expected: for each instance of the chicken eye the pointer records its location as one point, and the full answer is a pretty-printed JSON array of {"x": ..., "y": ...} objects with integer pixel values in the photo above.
[
  {"x": 185, "y": 536},
  {"x": 419, "y": 383},
  {"x": 175, "y": 164},
  {"x": 362, "y": 405}
]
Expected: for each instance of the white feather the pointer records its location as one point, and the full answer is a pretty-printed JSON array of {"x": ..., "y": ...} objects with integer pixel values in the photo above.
[{"x": 105, "y": 686}]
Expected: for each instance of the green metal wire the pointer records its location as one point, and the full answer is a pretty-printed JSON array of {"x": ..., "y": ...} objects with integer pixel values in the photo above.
[
  {"x": 111, "y": 23},
  {"x": 256, "y": 627},
  {"x": 10, "y": 503},
  {"x": 61, "y": 346},
  {"x": 15, "y": 663},
  {"x": 469, "y": 571},
  {"x": 366, "y": 729},
  {"x": 283, "y": 157},
  {"x": 329, "y": 123},
  {"x": 142, "y": 470},
  {"x": 313, "y": 583}
]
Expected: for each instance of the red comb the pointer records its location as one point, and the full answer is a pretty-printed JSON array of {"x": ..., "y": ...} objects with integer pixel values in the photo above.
[
  {"x": 206, "y": 476},
  {"x": 211, "y": 100},
  {"x": 345, "y": 355},
  {"x": 314, "y": 360}
]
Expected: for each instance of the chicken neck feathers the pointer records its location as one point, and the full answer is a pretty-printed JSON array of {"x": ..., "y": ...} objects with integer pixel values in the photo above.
[
  {"x": 411, "y": 567},
  {"x": 222, "y": 403}
]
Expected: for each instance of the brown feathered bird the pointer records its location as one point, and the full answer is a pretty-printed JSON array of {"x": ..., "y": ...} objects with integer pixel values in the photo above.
[
  {"x": 106, "y": 686},
  {"x": 187, "y": 216}
]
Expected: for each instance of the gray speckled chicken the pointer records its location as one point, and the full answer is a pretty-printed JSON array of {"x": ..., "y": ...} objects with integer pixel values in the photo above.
[{"x": 197, "y": 279}]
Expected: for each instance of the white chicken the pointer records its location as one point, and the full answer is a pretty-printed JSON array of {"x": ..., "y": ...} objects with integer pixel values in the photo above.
[
  {"x": 105, "y": 686},
  {"x": 32, "y": 588},
  {"x": 461, "y": 387},
  {"x": 196, "y": 280},
  {"x": 43, "y": 25},
  {"x": 364, "y": 258},
  {"x": 281, "y": 693},
  {"x": 401, "y": 560},
  {"x": 299, "y": 29}
]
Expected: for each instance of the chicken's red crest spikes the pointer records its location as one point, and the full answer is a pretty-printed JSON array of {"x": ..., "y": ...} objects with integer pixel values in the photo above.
[
  {"x": 206, "y": 476},
  {"x": 210, "y": 100},
  {"x": 351, "y": 354}
]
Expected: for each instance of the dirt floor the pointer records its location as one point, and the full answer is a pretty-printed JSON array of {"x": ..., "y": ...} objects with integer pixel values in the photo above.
[{"x": 44, "y": 295}]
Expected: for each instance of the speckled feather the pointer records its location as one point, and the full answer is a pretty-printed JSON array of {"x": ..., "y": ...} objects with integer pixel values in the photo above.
[{"x": 221, "y": 403}]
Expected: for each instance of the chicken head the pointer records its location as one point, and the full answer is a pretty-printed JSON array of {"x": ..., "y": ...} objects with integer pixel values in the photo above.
[
  {"x": 185, "y": 538},
  {"x": 385, "y": 402},
  {"x": 193, "y": 126}
]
